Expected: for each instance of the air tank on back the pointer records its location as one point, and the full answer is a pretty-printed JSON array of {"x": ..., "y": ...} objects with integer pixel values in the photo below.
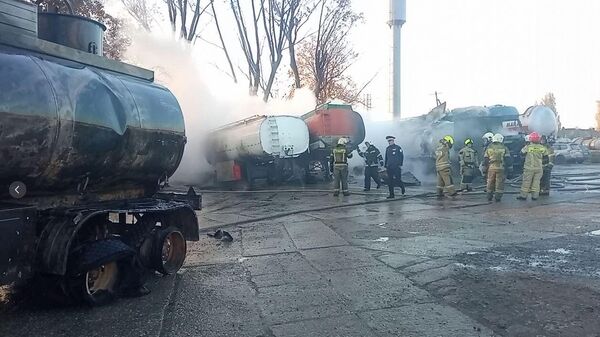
[{"x": 74, "y": 121}]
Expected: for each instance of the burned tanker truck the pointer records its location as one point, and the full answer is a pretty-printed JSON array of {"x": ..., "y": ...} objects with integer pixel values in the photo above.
[{"x": 86, "y": 143}]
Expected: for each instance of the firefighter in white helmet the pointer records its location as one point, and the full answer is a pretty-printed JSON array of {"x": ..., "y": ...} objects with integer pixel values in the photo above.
[
  {"x": 496, "y": 157},
  {"x": 487, "y": 140},
  {"x": 339, "y": 166}
]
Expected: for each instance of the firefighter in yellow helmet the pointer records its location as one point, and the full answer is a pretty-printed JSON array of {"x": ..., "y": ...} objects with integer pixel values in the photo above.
[
  {"x": 442, "y": 166},
  {"x": 535, "y": 155},
  {"x": 339, "y": 166},
  {"x": 495, "y": 159},
  {"x": 468, "y": 163}
]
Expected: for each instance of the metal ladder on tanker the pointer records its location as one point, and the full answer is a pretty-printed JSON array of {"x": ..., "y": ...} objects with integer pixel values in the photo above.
[{"x": 274, "y": 134}]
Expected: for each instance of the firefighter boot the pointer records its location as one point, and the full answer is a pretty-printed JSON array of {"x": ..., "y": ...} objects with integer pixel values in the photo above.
[{"x": 490, "y": 196}]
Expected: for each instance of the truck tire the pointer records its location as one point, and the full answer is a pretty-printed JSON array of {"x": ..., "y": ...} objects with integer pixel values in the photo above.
[
  {"x": 560, "y": 159},
  {"x": 169, "y": 250},
  {"x": 98, "y": 286}
]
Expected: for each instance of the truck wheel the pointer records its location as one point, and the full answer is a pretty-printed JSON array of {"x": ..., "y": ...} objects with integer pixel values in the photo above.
[
  {"x": 170, "y": 251},
  {"x": 97, "y": 286},
  {"x": 560, "y": 160}
]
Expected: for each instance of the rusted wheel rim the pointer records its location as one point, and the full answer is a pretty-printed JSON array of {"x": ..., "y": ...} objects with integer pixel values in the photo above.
[
  {"x": 102, "y": 278},
  {"x": 173, "y": 251}
]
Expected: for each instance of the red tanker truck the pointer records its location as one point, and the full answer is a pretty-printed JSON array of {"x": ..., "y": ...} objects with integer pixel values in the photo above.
[{"x": 326, "y": 125}]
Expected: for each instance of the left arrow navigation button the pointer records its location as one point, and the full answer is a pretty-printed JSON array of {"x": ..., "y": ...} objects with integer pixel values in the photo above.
[{"x": 17, "y": 189}]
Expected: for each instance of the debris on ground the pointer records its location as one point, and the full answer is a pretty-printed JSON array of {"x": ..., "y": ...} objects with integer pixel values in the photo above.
[{"x": 221, "y": 235}]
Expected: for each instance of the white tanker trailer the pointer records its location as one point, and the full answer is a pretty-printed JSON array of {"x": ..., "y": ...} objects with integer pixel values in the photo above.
[{"x": 259, "y": 147}]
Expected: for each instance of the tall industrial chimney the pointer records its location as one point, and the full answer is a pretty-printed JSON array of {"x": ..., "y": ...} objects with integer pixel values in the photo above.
[{"x": 397, "y": 19}]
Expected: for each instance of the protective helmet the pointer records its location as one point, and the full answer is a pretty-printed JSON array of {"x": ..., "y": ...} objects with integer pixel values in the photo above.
[
  {"x": 498, "y": 138},
  {"x": 468, "y": 141},
  {"x": 449, "y": 140},
  {"x": 488, "y": 136},
  {"x": 342, "y": 141},
  {"x": 535, "y": 137}
]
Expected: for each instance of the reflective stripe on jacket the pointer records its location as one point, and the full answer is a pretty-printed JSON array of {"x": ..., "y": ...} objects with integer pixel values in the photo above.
[
  {"x": 497, "y": 155},
  {"x": 534, "y": 157},
  {"x": 340, "y": 155},
  {"x": 468, "y": 157}
]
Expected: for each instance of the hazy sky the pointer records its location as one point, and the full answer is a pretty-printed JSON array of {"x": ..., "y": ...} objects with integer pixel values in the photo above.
[
  {"x": 475, "y": 52},
  {"x": 485, "y": 52}
]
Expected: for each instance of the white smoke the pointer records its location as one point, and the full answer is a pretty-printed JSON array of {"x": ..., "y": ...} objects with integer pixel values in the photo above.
[{"x": 205, "y": 105}]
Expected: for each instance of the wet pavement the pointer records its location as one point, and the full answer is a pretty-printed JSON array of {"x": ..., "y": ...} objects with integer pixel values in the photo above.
[{"x": 304, "y": 263}]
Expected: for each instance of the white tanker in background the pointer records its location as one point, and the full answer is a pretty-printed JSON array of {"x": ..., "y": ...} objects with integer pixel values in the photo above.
[
  {"x": 419, "y": 135},
  {"x": 259, "y": 147},
  {"x": 540, "y": 119}
]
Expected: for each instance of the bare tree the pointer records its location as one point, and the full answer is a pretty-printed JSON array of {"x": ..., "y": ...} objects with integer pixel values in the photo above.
[
  {"x": 252, "y": 50},
  {"x": 181, "y": 9},
  {"x": 223, "y": 46},
  {"x": 324, "y": 59},
  {"x": 300, "y": 13},
  {"x": 142, "y": 12},
  {"x": 549, "y": 101},
  {"x": 276, "y": 20}
]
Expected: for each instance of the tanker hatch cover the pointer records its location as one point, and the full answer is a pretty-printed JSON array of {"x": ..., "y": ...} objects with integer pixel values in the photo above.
[{"x": 284, "y": 136}]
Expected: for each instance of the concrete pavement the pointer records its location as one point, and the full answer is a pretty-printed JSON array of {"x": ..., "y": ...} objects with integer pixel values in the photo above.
[{"x": 414, "y": 267}]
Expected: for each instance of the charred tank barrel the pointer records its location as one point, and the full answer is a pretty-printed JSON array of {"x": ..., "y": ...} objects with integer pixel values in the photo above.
[
  {"x": 67, "y": 125},
  {"x": 72, "y": 31},
  {"x": 329, "y": 122}
]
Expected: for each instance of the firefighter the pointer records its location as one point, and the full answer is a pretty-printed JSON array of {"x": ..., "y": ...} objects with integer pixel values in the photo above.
[
  {"x": 548, "y": 165},
  {"x": 339, "y": 166},
  {"x": 487, "y": 140},
  {"x": 394, "y": 159},
  {"x": 496, "y": 158},
  {"x": 535, "y": 155},
  {"x": 468, "y": 163},
  {"x": 373, "y": 160},
  {"x": 442, "y": 166}
]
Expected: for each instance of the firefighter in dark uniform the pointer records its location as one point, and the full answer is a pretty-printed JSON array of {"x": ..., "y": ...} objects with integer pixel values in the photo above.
[
  {"x": 339, "y": 166},
  {"x": 373, "y": 160},
  {"x": 394, "y": 158},
  {"x": 468, "y": 164},
  {"x": 548, "y": 165}
]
